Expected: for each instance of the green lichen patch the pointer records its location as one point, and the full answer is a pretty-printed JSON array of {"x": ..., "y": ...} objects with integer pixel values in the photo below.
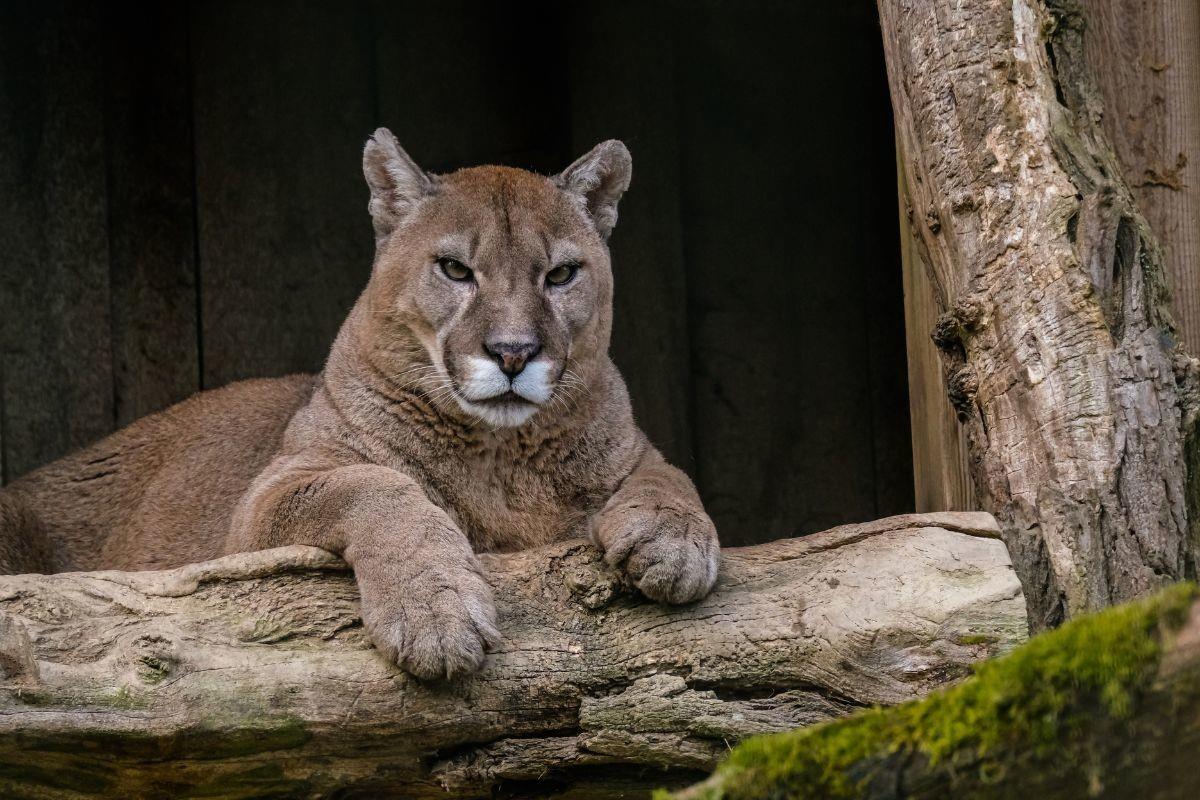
[{"x": 1041, "y": 707}]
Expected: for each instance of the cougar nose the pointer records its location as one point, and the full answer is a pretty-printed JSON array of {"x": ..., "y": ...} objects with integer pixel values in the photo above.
[{"x": 512, "y": 356}]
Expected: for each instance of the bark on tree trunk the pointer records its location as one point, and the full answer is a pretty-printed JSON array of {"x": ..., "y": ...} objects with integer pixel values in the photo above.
[
  {"x": 250, "y": 676},
  {"x": 1104, "y": 707},
  {"x": 1058, "y": 351}
]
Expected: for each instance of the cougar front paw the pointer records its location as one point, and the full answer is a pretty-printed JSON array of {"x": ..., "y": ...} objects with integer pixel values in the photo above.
[
  {"x": 668, "y": 549},
  {"x": 435, "y": 624}
]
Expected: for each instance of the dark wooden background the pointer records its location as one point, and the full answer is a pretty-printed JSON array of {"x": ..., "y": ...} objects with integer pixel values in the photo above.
[{"x": 181, "y": 205}]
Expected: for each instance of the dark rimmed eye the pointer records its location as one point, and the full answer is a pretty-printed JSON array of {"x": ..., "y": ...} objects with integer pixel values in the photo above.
[
  {"x": 455, "y": 270},
  {"x": 561, "y": 274}
]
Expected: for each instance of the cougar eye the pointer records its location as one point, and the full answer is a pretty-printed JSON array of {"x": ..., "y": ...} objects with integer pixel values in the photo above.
[
  {"x": 561, "y": 274},
  {"x": 454, "y": 269}
]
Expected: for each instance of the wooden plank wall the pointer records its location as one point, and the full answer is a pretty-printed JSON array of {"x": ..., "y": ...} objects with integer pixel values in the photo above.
[
  {"x": 55, "y": 322},
  {"x": 284, "y": 247},
  {"x": 639, "y": 91},
  {"x": 941, "y": 478},
  {"x": 182, "y": 206},
  {"x": 151, "y": 209},
  {"x": 789, "y": 270},
  {"x": 1145, "y": 55}
]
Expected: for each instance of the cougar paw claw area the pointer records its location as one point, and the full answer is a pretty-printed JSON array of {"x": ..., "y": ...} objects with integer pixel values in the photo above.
[
  {"x": 669, "y": 551},
  {"x": 438, "y": 626}
]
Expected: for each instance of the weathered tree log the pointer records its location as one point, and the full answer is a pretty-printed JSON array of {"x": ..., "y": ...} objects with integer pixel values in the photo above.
[
  {"x": 1104, "y": 707},
  {"x": 1058, "y": 349},
  {"x": 250, "y": 676}
]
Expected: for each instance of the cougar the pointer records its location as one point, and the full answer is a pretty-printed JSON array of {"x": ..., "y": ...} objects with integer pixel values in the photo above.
[{"x": 468, "y": 405}]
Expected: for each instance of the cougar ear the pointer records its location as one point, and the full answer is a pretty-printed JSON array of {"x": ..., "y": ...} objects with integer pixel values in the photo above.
[
  {"x": 600, "y": 178},
  {"x": 397, "y": 183}
]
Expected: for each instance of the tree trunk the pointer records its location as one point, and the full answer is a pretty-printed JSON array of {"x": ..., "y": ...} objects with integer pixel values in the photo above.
[
  {"x": 1145, "y": 56},
  {"x": 1058, "y": 351},
  {"x": 1104, "y": 707},
  {"x": 250, "y": 676}
]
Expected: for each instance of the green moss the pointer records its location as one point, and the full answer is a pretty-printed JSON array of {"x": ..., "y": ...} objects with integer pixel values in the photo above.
[{"x": 1088, "y": 674}]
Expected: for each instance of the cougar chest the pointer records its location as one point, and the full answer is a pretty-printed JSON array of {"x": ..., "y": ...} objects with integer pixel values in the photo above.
[{"x": 503, "y": 503}]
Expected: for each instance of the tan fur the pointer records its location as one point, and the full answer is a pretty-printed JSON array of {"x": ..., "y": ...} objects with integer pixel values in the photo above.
[{"x": 382, "y": 457}]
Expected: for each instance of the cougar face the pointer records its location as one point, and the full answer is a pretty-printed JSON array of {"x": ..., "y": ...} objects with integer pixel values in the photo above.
[{"x": 494, "y": 283}]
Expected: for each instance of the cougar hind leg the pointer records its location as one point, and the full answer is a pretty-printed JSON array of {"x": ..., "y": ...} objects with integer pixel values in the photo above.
[{"x": 24, "y": 546}]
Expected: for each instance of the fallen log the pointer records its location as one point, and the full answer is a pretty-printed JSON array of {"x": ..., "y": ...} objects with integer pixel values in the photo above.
[
  {"x": 250, "y": 676},
  {"x": 1107, "y": 706}
]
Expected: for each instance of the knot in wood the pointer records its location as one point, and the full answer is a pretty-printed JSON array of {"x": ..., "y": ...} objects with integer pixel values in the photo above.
[
  {"x": 154, "y": 657},
  {"x": 932, "y": 220},
  {"x": 962, "y": 386},
  {"x": 946, "y": 334},
  {"x": 968, "y": 312},
  {"x": 962, "y": 201},
  {"x": 590, "y": 581}
]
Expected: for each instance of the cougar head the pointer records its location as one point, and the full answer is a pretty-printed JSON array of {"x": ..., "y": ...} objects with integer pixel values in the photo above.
[{"x": 492, "y": 286}]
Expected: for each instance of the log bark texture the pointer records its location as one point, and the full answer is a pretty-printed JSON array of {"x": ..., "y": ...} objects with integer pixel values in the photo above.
[
  {"x": 1058, "y": 350},
  {"x": 250, "y": 676}
]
